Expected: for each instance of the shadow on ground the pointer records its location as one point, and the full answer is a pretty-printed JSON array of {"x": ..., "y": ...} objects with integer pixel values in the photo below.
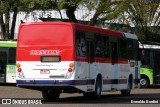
[{"x": 107, "y": 99}]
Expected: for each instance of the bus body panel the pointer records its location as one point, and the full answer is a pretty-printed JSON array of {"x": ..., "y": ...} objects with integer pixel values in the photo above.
[
  {"x": 47, "y": 57},
  {"x": 11, "y": 74},
  {"x": 38, "y": 70}
]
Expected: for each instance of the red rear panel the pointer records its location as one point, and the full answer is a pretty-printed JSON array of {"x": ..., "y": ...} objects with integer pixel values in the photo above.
[{"x": 45, "y": 39}]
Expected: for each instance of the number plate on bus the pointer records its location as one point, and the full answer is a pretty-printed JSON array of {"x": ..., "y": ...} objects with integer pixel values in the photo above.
[{"x": 45, "y": 71}]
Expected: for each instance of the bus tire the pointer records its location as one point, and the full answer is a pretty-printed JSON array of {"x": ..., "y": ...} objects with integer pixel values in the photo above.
[
  {"x": 144, "y": 82},
  {"x": 127, "y": 92},
  {"x": 97, "y": 93},
  {"x": 98, "y": 88},
  {"x": 50, "y": 95}
]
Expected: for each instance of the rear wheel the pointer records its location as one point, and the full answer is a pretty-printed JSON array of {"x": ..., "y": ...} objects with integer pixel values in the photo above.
[
  {"x": 50, "y": 94},
  {"x": 98, "y": 88},
  {"x": 97, "y": 93},
  {"x": 144, "y": 82}
]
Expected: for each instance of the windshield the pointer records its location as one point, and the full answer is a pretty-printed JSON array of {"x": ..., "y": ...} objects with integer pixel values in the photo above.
[{"x": 38, "y": 35}]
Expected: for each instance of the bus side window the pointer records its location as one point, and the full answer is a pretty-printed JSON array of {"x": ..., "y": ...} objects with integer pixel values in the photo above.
[
  {"x": 2, "y": 68},
  {"x": 12, "y": 54},
  {"x": 80, "y": 44},
  {"x": 3, "y": 59},
  {"x": 131, "y": 50},
  {"x": 98, "y": 46},
  {"x": 123, "y": 49},
  {"x": 145, "y": 57},
  {"x": 105, "y": 46}
]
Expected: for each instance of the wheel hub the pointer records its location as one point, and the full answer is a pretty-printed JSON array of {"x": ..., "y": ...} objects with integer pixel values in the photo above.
[{"x": 143, "y": 82}]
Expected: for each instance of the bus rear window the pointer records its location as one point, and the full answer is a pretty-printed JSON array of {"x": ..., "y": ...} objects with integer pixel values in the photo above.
[
  {"x": 43, "y": 34},
  {"x": 50, "y": 58}
]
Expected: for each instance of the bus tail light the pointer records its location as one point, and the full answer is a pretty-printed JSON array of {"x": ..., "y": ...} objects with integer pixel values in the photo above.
[
  {"x": 71, "y": 66},
  {"x": 19, "y": 70},
  {"x": 70, "y": 70},
  {"x": 18, "y": 65}
]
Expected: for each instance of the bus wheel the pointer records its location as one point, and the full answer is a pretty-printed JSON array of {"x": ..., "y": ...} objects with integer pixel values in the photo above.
[
  {"x": 128, "y": 90},
  {"x": 50, "y": 94},
  {"x": 97, "y": 93},
  {"x": 144, "y": 82},
  {"x": 98, "y": 88}
]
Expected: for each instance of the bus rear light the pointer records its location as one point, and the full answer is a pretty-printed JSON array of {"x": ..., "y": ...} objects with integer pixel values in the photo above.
[
  {"x": 19, "y": 70},
  {"x": 70, "y": 70},
  {"x": 71, "y": 65},
  {"x": 18, "y": 65}
]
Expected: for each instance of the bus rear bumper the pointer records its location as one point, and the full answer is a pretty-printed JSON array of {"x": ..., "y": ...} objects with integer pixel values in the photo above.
[
  {"x": 68, "y": 86},
  {"x": 53, "y": 82}
]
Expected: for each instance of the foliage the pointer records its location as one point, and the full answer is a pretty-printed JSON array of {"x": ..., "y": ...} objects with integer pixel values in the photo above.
[
  {"x": 145, "y": 16},
  {"x": 138, "y": 13}
]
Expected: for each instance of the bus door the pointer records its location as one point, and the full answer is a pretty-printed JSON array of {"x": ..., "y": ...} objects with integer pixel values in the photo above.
[
  {"x": 115, "y": 73},
  {"x": 3, "y": 59},
  {"x": 156, "y": 68},
  {"x": 90, "y": 56}
]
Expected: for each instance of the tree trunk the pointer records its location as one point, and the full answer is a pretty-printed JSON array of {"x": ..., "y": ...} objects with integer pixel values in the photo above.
[
  {"x": 13, "y": 22},
  {"x": 70, "y": 9},
  {"x": 2, "y": 26},
  {"x": 7, "y": 17}
]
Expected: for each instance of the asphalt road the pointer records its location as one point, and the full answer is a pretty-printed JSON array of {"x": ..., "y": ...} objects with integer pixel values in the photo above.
[{"x": 139, "y": 97}]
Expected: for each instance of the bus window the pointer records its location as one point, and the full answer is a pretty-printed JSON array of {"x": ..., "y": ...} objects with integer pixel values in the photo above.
[
  {"x": 1, "y": 66},
  {"x": 101, "y": 46},
  {"x": 80, "y": 44},
  {"x": 130, "y": 47},
  {"x": 105, "y": 46},
  {"x": 145, "y": 57},
  {"x": 12, "y": 54},
  {"x": 3, "y": 59},
  {"x": 98, "y": 48},
  {"x": 123, "y": 49}
]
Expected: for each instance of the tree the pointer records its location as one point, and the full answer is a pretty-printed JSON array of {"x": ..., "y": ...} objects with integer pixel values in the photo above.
[
  {"x": 4, "y": 14},
  {"x": 144, "y": 15},
  {"x": 104, "y": 9},
  {"x": 14, "y": 6}
]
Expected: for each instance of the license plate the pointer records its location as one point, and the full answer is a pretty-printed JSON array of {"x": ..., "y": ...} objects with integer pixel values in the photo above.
[{"x": 44, "y": 71}]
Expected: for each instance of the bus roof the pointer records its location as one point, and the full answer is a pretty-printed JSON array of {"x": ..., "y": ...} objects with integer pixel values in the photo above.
[
  {"x": 87, "y": 28},
  {"x": 149, "y": 45},
  {"x": 98, "y": 30},
  {"x": 8, "y": 43}
]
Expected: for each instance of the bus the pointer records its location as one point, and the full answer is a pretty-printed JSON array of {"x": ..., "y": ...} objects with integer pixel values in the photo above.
[
  {"x": 150, "y": 63},
  {"x": 61, "y": 57},
  {"x": 8, "y": 61}
]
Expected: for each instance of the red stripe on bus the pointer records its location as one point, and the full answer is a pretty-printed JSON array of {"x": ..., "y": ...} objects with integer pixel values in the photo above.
[
  {"x": 121, "y": 61},
  {"x": 98, "y": 30},
  {"x": 102, "y": 60}
]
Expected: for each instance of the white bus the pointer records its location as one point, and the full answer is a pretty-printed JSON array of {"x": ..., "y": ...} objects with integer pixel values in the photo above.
[{"x": 60, "y": 57}]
